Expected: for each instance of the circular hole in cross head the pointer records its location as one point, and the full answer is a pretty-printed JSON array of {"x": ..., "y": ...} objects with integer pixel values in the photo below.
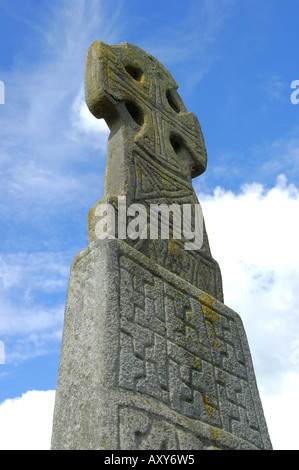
[
  {"x": 135, "y": 112},
  {"x": 176, "y": 142},
  {"x": 135, "y": 71},
  {"x": 172, "y": 98}
]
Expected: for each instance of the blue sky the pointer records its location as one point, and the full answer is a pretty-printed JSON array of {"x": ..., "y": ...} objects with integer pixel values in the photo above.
[{"x": 234, "y": 62}]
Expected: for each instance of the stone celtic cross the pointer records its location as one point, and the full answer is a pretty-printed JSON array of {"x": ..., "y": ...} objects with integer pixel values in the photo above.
[
  {"x": 154, "y": 150},
  {"x": 151, "y": 358}
]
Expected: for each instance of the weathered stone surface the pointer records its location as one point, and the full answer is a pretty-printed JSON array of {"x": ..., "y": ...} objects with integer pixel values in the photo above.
[
  {"x": 148, "y": 361},
  {"x": 155, "y": 148},
  {"x": 151, "y": 358}
]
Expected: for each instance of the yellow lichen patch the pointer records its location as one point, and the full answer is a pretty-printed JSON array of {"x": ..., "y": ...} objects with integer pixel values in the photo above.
[
  {"x": 171, "y": 249},
  {"x": 209, "y": 313},
  {"x": 208, "y": 408},
  {"x": 89, "y": 217},
  {"x": 174, "y": 247},
  {"x": 75, "y": 262},
  {"x": 214, "y": 433}
]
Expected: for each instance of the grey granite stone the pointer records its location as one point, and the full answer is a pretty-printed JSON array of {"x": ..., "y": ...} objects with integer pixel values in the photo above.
[
  {"x": 149, "y": 361},
  {"x": 154, "y": 150},
  {"x": 151, "y": 358}
]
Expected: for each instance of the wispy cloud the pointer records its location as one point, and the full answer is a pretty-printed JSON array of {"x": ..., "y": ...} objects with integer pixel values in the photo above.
[
  {"x": 52, "y": 162},
  {"x": 85, "y": 126},
  {"x": 46, "y": 132},
  {"x": 277, "y": 89},
  {"x": 282, "y": 155},
  {"x": 191, "y": 37},
  {"x": 38, "y": 270},
  {"x": 32, "y": 296}
]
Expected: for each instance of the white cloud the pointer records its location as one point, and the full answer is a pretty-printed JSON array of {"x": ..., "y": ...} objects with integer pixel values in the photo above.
[
  {"x": 254, "y": 237},
  {"x": 26, "y": 422},
  {"x": 83, "y": 122},
  {"x": 32, "y": 295},
  {"x": 281, "y": 412}
]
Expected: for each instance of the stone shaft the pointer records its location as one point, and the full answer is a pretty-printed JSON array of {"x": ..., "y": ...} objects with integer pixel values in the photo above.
[
  {"x": 151, "y": 358},
  {"x": 148, "y": 361}
]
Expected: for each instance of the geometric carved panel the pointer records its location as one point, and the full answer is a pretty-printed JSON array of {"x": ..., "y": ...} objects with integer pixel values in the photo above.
[
  {"x": 149, "y": 361},
  {"x": 186, "y": 352}
]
